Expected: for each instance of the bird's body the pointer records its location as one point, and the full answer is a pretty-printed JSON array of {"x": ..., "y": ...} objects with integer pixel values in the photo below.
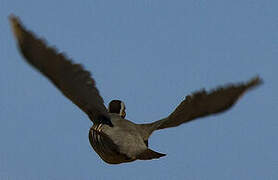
[
  {"x": 120, "y": 143},
  {"x": 114, "y": 138},
  {"x": 124, "y": 142}
]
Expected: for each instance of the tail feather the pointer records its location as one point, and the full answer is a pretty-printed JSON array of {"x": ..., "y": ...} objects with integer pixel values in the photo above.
[{"x": 150, "y": 154}]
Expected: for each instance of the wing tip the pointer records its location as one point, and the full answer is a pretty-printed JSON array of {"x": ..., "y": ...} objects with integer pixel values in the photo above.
[
  {"x": 256, "y": 81},
  {"x": 16, "y": 26},
  {"x": 251, "y": 84}
]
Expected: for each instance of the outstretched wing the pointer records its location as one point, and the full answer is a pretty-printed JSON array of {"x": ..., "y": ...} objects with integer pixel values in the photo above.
[
  {"x": 73, "y": 81},
  {"x": 202, "y": 104}
]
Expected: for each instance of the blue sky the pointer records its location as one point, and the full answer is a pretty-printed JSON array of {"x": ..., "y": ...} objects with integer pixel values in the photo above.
[{"x": 150, "y": 54}]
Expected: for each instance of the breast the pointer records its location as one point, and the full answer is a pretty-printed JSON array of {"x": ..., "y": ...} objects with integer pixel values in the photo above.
[{"x": 105, "y": 147}]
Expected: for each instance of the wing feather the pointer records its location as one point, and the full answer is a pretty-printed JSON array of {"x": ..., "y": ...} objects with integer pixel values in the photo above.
[
  {"x": 72, "y": 79},
  {"x": 201, "y": 104}
]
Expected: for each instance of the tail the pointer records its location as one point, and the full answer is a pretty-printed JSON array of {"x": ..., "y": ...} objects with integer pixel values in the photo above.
[{"x": 150, "y": 154}]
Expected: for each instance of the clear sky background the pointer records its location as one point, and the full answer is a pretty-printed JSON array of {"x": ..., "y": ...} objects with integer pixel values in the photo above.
[{"x": 150, "y": 54}]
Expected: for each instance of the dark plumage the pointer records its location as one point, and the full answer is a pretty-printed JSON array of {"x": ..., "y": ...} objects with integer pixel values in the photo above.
[{"x": 115, "y": 139}]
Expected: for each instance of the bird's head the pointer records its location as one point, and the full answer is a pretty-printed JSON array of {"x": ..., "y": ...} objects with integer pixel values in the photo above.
[{"x": 118, "y": 107}]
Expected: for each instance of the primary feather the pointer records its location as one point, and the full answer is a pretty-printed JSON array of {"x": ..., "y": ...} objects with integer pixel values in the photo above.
[{"x": 71, "y": 79}]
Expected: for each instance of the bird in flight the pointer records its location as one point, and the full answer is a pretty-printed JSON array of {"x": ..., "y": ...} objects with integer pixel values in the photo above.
[{"x": 115, "y": 139}]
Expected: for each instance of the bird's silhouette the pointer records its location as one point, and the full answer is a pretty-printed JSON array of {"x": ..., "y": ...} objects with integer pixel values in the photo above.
[{"x": 114, "y": 138}]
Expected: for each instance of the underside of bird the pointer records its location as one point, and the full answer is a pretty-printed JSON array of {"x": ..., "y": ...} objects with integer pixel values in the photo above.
[{"x": 110, "y": 152}]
